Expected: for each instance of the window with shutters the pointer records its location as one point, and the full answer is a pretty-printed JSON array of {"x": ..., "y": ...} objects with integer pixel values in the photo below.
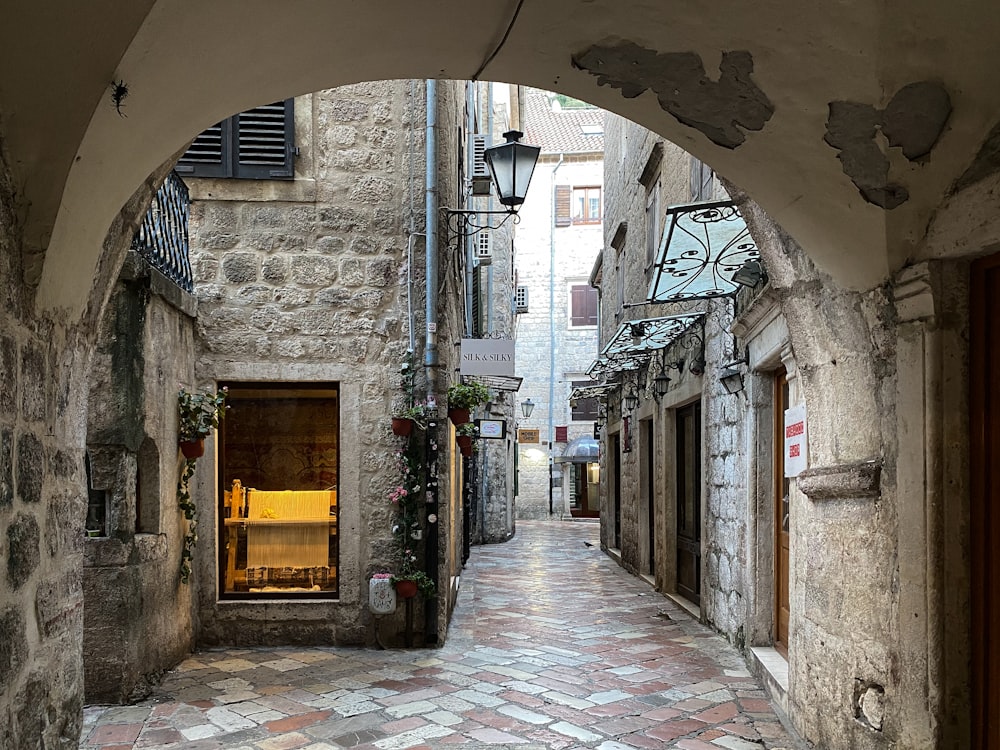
[
  {"x": 562, "y": 434},
  {"x": 577, "y": 205},
  {"x": 652, "y": 222},
  {"x": 583, "y": 305},
  {"x": 583, "y": 409},
  {"x": 254, "y": 145},
  {"x": 702, "y": 177}
]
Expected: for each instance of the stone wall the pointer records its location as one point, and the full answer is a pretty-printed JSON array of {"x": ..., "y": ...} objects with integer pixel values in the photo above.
[
  {"x": 138, "y": 615},
  {"x": 44, "y": 363},
  {"x": 312, "y": 286}
]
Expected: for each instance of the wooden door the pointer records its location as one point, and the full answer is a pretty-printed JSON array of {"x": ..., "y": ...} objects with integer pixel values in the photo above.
[
  {"x": 650, "y": 480},
  {"x": 615, "y": 455},
  {"x": 984, "y": 459},
  {"x": 689, "y": 502},
  {"x": 781, "y": 485}
]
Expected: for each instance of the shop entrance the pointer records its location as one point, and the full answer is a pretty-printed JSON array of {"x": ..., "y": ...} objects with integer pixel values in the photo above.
[
  {"x": 984, "y": 419},
  {"x": 689, "y": 502}
]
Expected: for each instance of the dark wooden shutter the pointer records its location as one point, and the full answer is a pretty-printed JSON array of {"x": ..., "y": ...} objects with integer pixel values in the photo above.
[
  {"x": 583, "y": 305},
  {"x": 586, "y": 408},
  {"x": 256, "y": 144},
  {"x": 263, "y": 142},
  {"x": 477, "y": 304},
  {"x": 563, "y": 209},
  {"x": 211, "y": 153},
  {"x": 562, "y": 434}
]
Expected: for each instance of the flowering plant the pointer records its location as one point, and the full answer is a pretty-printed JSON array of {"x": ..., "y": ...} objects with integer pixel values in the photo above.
[
  {"x": 381, "y": 576},
  {"x": 467, "y": 395}
]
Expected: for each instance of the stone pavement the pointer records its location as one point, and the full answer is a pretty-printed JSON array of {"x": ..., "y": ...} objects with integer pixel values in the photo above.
[{"x": 552, "y": 646}]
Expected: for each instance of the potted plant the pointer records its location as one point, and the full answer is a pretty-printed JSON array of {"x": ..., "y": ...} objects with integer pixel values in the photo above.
[
  {"x": 199, "y": 414},
  {"x": 463, "y": 398},
  {"x": 464, "y": 434},
  {"x": 408, "y": 582},
  {"x": 405, "y": 419}
]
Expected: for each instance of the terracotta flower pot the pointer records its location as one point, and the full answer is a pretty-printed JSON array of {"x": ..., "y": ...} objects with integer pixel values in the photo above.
[
  {"x": 402, "y": 426},
  {"x": 458, "y": 416},
  {"x": 193, "y": 448},
  {"x": 406, "y": 589},
  {"x": 465, "y": 444}
]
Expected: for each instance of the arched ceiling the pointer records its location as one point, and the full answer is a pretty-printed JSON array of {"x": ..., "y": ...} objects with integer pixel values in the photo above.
[{"x": 747, "y": 87}]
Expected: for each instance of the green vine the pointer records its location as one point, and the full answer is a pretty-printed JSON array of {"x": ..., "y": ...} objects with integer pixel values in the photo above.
[
  {"x": 407, "y": 528},
  {"x": 198, "y": 415},
  {"x": 189, "y": 510}
]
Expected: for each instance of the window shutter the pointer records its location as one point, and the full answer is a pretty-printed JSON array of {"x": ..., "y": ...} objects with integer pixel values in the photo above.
[
  {"x": 263, "y": 142},
  {"x": 562, "y": 434},
  {"x": 563, "y": 208},
  {"x": 477, "y": 291},
  {"x": 210, "y": 154},
  {"x": 583, "y": 305}
]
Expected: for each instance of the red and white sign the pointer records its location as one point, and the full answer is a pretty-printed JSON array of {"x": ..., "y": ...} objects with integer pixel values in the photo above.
[{"x": 796, "y": 459}]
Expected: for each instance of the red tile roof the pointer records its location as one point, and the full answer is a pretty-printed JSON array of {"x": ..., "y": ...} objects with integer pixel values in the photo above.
[{"x": 562, "y": 130}]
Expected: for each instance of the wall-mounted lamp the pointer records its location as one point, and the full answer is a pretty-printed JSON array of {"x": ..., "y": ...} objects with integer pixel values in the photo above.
[
  {"x": 661, "y": 384},
  {"x": 749, "y": 274},
  {"x": 631, "y": 401},
  {"x": 527, "y": 407},
  {"x": 511, "y": 165},
  {"x": 732, "y": 380}
]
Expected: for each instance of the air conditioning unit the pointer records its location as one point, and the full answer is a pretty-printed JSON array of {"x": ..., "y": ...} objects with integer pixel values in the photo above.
[
  {"x": 484, "y": 247},
  {"x": 479, "y": 170},
  {"x": 521, "y": 299}
]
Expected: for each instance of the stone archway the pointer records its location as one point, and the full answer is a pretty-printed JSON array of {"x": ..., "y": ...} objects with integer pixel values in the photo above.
[{"x": 748, "y": 90}]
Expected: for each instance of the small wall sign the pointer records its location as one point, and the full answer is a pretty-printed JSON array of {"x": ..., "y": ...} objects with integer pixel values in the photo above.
[
  {"x": 796, "y": 460},
  {"x": 492, "y": 429},
  {"x": 527, "y": 436}
]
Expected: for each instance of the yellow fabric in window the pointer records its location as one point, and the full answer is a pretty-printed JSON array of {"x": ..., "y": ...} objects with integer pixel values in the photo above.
[{"x": 277, "y": 541}]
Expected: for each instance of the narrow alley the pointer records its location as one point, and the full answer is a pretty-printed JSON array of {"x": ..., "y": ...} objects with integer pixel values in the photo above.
[{"x": 553, "y": 645}]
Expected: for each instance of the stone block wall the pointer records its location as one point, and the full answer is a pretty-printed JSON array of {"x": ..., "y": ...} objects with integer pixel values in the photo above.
[
  {"x": 315, "y": 289},
  {"x": 138, "y": 615}
]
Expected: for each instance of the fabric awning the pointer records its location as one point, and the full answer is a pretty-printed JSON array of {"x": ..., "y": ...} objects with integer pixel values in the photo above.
[{"x": 703, "y": 245}]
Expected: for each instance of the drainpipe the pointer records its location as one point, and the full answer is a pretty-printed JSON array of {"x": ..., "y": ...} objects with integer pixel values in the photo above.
[
  {"x": 552, "y": 323},
  {"x": 432, "y": 562}
]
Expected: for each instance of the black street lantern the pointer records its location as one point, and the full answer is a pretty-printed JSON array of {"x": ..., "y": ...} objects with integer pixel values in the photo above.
[
  {"x": 631, "y": 401},
  {"x": 511, "y": 165},
  {"x": 527, "y": 407},
  {"x": 661, "y": 384}
]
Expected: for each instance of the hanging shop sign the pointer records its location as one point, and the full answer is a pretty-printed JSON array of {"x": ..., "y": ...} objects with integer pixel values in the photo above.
[
  {"x": 488, "y": 357},
  {"x": 492, "y": 429},
  {"x": 796, "y": 459},
  {"x": 527, "y": 436}
]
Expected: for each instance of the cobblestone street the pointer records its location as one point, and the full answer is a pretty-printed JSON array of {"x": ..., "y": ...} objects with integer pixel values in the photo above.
[{"x": 552, "y": 646}]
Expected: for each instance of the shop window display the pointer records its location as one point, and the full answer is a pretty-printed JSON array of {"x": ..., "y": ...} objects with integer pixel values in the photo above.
[{"x": 278, "y": 474}]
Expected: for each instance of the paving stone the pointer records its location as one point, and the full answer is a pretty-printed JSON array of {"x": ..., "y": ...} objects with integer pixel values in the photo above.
[{"x": 525, "y": 665}]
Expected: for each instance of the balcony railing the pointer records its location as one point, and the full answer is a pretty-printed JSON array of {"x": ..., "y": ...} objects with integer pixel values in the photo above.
[{"x": 162, "y": 238}]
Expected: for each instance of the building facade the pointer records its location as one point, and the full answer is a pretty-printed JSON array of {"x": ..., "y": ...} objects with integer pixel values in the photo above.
[
  {"x": 558, "y": 238},
  {"x": 717, "y": 484}
]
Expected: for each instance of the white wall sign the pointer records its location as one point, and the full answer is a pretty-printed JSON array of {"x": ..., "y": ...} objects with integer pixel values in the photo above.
[
  {"x": 795, "y": 441},
  {"x": 488, "y": 357}
]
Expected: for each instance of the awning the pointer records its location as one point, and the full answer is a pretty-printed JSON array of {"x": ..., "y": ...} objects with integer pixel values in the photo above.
[
  {"x": 498, "y": 382},
  {"x": 638, "y": 339},
  {"x": 598, "y": 390},
  {"x": 703, "y": 245},
  {"x": 583, "y": 450}
]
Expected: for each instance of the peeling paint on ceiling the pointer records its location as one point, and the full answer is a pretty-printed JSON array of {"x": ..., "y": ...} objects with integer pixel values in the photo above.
[
  {"x": 912, "y": 121},
  {"x": 721, "y": 109}
]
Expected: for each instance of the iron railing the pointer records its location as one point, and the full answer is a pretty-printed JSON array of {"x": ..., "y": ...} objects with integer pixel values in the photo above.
[{"x": 162, "y": 238}]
